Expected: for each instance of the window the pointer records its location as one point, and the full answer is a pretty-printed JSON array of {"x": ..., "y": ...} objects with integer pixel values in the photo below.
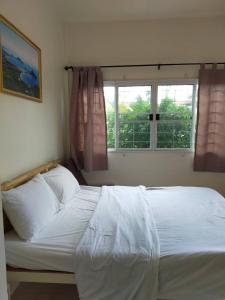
[{"x": 150, "y": 115}]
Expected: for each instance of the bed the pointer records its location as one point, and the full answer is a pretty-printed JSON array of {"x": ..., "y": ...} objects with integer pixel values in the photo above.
[{"x": 191, "y": 233}]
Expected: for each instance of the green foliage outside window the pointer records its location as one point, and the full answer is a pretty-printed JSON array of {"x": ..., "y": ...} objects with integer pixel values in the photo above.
[{"x": 174, "y": 130}]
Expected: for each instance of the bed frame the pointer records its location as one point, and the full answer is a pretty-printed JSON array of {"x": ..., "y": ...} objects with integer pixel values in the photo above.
[{"x": 24, "y": 275}]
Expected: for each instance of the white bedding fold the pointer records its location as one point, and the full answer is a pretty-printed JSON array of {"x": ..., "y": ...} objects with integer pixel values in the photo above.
[{"x": 118, "y": 255}]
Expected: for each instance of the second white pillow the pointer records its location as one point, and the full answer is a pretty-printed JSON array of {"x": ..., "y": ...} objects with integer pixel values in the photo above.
[{"x": 63, "y": 183}]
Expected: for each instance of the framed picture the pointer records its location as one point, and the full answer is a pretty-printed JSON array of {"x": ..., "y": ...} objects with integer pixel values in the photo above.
[{"x": 20, "y": 63}]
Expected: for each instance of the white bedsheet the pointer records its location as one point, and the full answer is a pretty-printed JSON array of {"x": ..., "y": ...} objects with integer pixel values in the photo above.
[
  {"x": 118, "y": 256},
  {"x": 191, "y": 229}
]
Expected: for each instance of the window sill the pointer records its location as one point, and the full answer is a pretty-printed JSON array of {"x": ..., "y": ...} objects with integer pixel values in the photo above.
[{"x": 151, "y": 150}]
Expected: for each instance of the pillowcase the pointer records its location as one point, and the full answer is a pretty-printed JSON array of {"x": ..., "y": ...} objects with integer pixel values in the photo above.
[
  {"x": 63, "y": 183},
  {"x": 30, "y": 206}
]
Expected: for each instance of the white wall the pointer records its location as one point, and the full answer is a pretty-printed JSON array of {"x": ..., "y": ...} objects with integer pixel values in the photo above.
[
  {"x": 30, "y": 132},
  {"x": 3, "y": 287},
  {"x": 166, "y": 41}
]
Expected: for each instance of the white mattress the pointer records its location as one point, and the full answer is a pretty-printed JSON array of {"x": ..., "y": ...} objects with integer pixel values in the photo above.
[{"x": 191, "y": 228}]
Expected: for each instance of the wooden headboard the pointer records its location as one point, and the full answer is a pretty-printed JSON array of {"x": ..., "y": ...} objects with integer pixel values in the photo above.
[{"x": 19, "y": 180}]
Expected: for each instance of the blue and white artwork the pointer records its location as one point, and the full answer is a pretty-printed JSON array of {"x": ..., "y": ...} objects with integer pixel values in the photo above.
[{"x": 20, "y": 64}]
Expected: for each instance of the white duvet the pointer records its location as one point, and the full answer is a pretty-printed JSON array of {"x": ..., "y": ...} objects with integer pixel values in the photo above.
[{"x": 118, "y": 255}]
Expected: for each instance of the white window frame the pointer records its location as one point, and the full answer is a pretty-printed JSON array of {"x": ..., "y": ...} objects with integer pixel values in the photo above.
[{"x": 154, "y": 99}]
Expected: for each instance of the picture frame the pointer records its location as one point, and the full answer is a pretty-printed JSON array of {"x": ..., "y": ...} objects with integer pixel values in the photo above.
[{"x": 20, "y": 63}]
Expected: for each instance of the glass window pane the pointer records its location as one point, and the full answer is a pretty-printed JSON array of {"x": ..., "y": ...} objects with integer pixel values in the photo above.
[
  {"x": 134, "y": 106},
  {"x": 174, "y": 129},
  {"x": 109, "y": 93}
]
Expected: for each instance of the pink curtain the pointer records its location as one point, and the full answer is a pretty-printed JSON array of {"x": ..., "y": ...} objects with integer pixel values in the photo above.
[
  {"x": 210, "y": 136},
  {"x": 88, "y": 120}
]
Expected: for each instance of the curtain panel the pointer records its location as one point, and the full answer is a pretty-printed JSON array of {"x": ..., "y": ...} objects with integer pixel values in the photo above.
[
  {"x": 210, "y": 135},
  {"x": 88, "y": 132}
]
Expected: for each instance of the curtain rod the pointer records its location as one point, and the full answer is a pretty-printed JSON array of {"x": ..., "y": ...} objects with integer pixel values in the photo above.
[{"x": 153, "y": 65}]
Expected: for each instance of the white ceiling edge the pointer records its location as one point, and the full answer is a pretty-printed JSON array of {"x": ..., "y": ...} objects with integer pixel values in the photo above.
[
  {"x": 102, "y": 11},
  {"x": 166, "y": 19}
]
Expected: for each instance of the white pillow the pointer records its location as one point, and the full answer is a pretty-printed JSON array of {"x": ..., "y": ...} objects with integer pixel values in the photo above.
[
  {"x": 30, "y": 206},
  {"x": 63, "y": 183}
]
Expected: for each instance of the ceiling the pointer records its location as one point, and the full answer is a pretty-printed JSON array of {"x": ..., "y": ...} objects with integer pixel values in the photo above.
[{"x": 124, "y": 10}]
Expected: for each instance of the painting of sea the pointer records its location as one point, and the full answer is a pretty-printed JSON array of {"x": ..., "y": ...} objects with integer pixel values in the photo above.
[{"x": 20, "y": 63}]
